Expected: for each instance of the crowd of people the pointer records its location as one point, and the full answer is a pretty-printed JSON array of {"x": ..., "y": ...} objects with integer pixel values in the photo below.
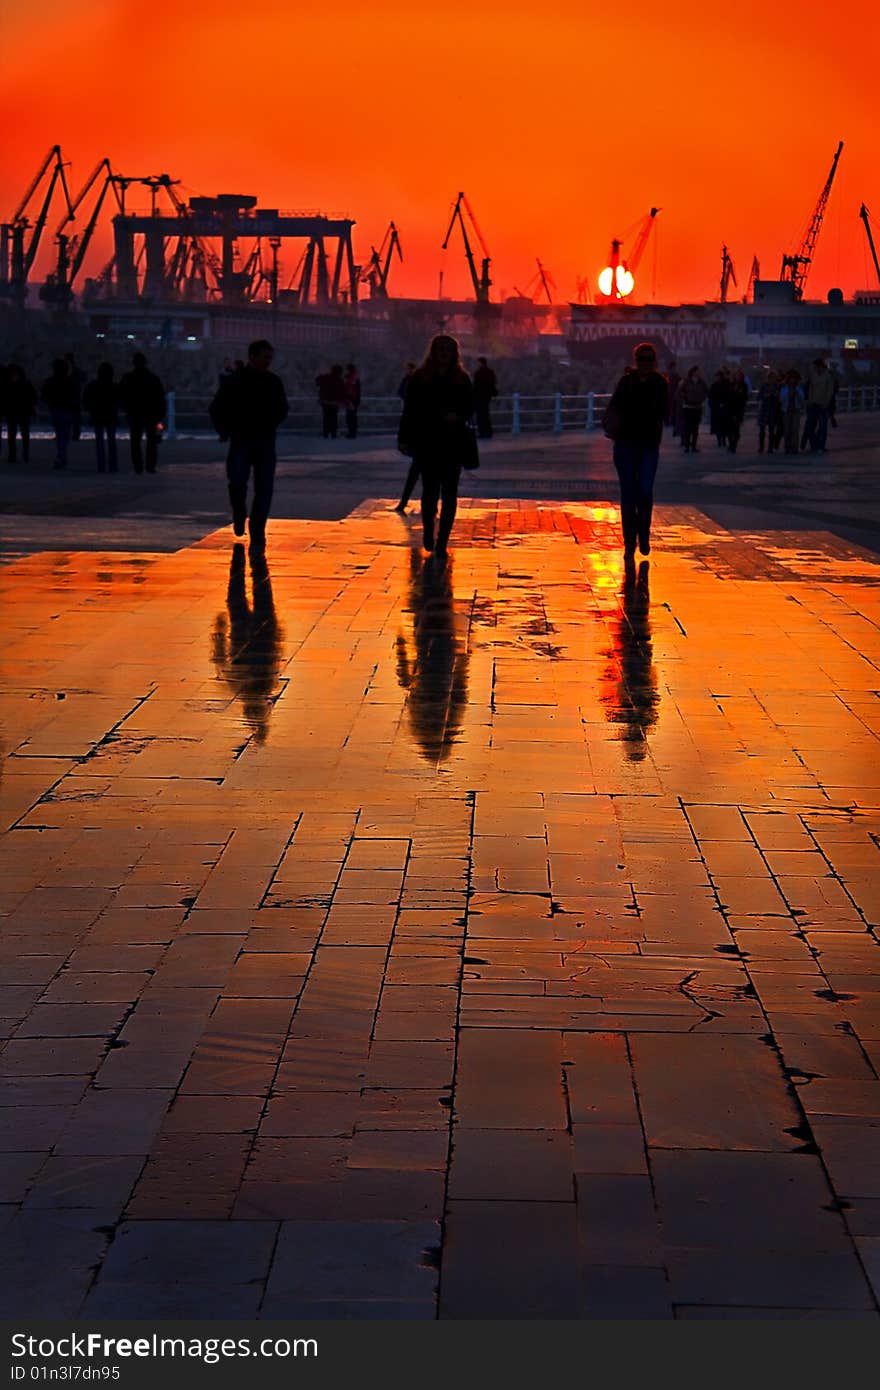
[
  {"x": 793, "y": 411},
  {"x": 70, "y": 398}
]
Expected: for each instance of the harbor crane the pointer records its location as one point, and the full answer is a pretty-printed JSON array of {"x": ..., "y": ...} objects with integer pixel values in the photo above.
[
  {"x": 754, "y": 274},
  {"x": 866, "y": 218},
  {"x": 481, "y": 282},
  {"x": 72, "y": 247},
  {"x": 375, "y": 274},
  {"x": 617, "y": 281},
  {"x": 728, "y": 273},
  {"x": 18, "y": 250},
  {"x": 542, "y": 280},
  {"x": 796, "y": 267}
]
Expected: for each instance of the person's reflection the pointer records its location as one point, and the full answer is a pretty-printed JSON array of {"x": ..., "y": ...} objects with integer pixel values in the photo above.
[
  {"x": 629, "y": 689},
  {"x": 433, "y": 665},
  {"x": 247, "y": 641}
]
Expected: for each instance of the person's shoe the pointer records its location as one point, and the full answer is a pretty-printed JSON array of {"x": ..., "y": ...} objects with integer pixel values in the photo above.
[
  {"x": 58, "y": 464},
  {"x": 645, "y": 547},
  {"x": 440, "y": 551},
  {"x": 401, "y": 507},
  {"x": 428, "y": 540},
  {"x": 238, "y": 521}
]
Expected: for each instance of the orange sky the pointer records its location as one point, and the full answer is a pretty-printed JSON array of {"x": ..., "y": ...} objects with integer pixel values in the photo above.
[{"x": 563, "y": 121}]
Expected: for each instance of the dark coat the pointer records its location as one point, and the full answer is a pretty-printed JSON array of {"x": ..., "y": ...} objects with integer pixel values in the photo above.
[
  {"x": 249, "y": 404},
  {"x": 436, "y": 414},
  {"x": 101, "y": 399},
  {"x": 641, "y": 405},
  {"x": 331, "y": 389},
  {"x": 60, "y": 394},
  {"x": 485, "y": 385},
  {"x": 19, "y": 400},
  {"x": 142, "y": 395}
]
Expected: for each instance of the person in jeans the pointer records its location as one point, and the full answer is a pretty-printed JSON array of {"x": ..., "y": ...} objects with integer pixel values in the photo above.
[
  {"x": 100, "y": 400},
  {"x": 19, "y": 408},
  {"x": 142, "y": 396},
  {"x": 692, "y": 394},
  {"x": 331, "y": 395},
  {"x": 791, "y": 404},
  {"x": 59, "y": 394},
  {"x": 768, "y": 414},
  {"x": 639, "y": 406},
  {"x": 820, "y": 391},
  {"x": 435, "y": 433},
  {"x": 247, "y": 410},
  {"x": 738, "y": 399}
]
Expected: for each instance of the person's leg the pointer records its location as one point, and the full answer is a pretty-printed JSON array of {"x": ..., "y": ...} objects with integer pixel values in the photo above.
[
  {"x": 25, "y": 428},
  {"x": 111, "y": 447},
  {"x": 263, "y": 459},
  {"x": 135, "y": 434},
  {"x": 646, "y": 472},
  {"x": 762, "y": 434},
  {"x": 481, "y": 413},
  {"x": 412, "y": 478},
  {"x": 11, "y": 428},
  {"x": 100, "y": 451},
  {"x": 351, "y": 424},
  {"x": 237, "y": 470},
  {"x": 733, "y": 435},
  {"x": 430, "y": 496},
  {"x": 63, "y": 423},
  {"x": 821, "y": 428},
  {"x": 625, "y": 463},
  {"x": 152, "y": 431},
  {"x": 449, "y": 506}
]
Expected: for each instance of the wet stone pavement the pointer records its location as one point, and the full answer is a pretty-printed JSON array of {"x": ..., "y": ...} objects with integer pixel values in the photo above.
[{"x": 385, "y": 940}]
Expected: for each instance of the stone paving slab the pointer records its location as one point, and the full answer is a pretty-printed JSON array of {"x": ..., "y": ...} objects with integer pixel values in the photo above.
[{"x": 499, "y": 939}]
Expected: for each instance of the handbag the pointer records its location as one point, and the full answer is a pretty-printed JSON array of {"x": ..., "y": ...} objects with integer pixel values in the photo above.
[{"x": 470, "y": 449}]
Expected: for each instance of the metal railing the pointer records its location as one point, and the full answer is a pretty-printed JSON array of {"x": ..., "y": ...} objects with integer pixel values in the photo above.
[{"x": 512, "y": 414}]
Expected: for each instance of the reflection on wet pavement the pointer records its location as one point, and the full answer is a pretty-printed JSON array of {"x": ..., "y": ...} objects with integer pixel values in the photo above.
[
  {"x": 246, "y": 641},
  {"x": 305, "y": 876},
  {"x": 432, "y": 664}
]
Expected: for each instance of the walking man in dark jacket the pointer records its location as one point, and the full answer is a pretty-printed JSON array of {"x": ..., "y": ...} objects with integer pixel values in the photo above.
[
  {"x": 637, "y": 412},
  {"x": 247, "y": 410},
  {"x": 142, "y": 396},
  {"x": 485, "y": 391},
  {"x": 19, "y": 408}
]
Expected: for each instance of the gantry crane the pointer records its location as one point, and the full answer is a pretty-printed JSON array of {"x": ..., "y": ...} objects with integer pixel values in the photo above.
[
  {"x": 481, "y": 282},
  {"x": 18, "y": 250},
  {"x": 754, "y": 274},
  {"x": 796, "y": 268},
  {"x": 866, "y": 218},
  {"x": 375, "y": 273},
  {"x": 728, "y": 273}
]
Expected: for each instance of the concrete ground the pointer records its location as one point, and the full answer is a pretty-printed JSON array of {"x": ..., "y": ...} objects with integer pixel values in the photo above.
[{"x": 385, "y": 939}]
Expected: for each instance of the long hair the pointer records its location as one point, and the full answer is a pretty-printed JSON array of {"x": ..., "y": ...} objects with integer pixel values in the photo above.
[{"x": 429, "y": 366}]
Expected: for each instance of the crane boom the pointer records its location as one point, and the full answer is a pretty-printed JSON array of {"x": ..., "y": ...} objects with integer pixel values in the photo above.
[
  {"x": 641, "y": 241},
  {"x": 481, "y": 282},
  {"x": 796, "y": 268},
  {"x": 866, "y": 218}
]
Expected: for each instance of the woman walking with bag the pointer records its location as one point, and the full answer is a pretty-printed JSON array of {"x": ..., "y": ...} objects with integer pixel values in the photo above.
[
  {"x": 634, "y": 420},
  {"x": 436, "y": 432}
]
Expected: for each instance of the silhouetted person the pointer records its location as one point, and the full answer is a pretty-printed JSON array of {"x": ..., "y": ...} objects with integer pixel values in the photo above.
[
  {"x": 405, "y": 380},
  {"x": 59, "y": 394},
  {"x": 142, "y": 397},
  {"x": 19, "y": 408},
  {"x": 719, "y": 407},
  {"x": 737, "y": 400},
  {"x": 352, "y": 383},
  {"x": 791, "y": 403},
  {"x": 247, "y": 410},
  {"x": 820, "y": 390},
  {"x": 485, "y": 391},
  {"x": 247, "y": 642},
  {"x": 331, "y": 395},
  {"x": 769, "y": 414},
  {"x": 435, "y": 430},
  {"x": 638, "y": 408},
  {"x": 433, "y": 666},
  {"x": 692, "y": 396},
  {"x": 101, "y": 400},
  {"x": 629, "y": 688}
]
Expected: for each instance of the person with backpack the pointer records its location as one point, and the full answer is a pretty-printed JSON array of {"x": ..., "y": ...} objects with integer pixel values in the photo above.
[{"x": 634, "y": 420}]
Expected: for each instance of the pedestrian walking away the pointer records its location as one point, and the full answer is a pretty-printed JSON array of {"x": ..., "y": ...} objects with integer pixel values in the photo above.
[
  {"x": 737, "y": 400},
  {"x": 436, "y": 432},
  {"x": 485, "y": 391},
  {"x": 78, "y": 378},
  {"x": 100, "y": 399},
  {"x": 769, "y": 414},
  {"x": 820, "y": 390},
  {"x": 59, "y": 395},
  {"x": 19, "y": 406},
  {"x": 142, "y": 397},
  {"x": 791, "y": 404},
  {"x": 634, "y": 420},
  {"x": 247, "y": 410},
  {"x": 331, "y": 395},
  {"x": 352, "y": 384},
  {"x": 692, "y": 395}
]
